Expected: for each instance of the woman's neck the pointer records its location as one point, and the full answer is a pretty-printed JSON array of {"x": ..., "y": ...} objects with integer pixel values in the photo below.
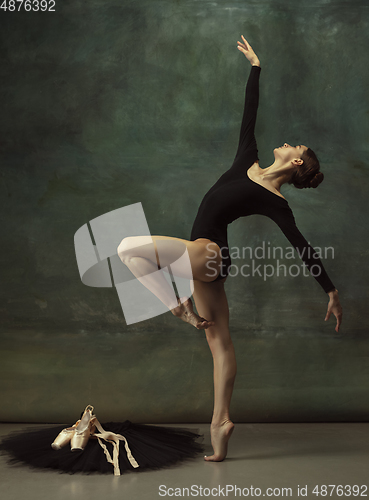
[{"x": 276, "y": 174}]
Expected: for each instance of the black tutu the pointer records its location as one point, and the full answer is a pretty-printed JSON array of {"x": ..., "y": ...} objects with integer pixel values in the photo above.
[{"x": 153, "y": 447}]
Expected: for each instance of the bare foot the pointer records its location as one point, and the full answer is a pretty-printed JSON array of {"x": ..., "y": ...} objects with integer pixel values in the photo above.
[
  {"x": 186, "y": 313},
  {"x": 220, "y": 434}
]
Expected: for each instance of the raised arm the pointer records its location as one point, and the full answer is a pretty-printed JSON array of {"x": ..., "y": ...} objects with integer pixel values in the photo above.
[
  {"x": 247, "y": 136},
  {"x": 286, "y": 222}
]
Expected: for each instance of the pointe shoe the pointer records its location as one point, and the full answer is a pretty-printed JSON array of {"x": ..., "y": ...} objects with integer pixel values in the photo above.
[
  {"x": 64, "y": 437},
  {"x": 83, "y": 430}
]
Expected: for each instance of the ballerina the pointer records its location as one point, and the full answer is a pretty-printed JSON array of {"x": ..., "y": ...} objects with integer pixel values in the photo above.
[{"x": 244, "y": 189}]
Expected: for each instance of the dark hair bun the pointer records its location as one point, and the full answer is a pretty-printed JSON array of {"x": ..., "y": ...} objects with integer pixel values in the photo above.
[
  {"x": 316, "y": 180},
  {"x": 307, "y": 174}
]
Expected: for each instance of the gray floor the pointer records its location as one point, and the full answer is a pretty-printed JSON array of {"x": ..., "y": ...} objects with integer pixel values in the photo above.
[{"x": 260, "y": 456}]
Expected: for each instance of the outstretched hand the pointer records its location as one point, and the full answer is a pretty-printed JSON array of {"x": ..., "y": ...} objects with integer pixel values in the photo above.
[
  {"x": 246, "y": 49},
  {"x": 334, "y": 306}
]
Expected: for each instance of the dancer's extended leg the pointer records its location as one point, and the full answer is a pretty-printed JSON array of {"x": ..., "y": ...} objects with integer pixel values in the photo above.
[
  {"x": 211, "y": 301},
  {"x": 144, "y": 254}
]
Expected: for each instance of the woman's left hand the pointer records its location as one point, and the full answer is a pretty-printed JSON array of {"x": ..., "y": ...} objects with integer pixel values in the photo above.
[
  {"x": 334, "y": 306},
  {"x": 246, "y": 49}
]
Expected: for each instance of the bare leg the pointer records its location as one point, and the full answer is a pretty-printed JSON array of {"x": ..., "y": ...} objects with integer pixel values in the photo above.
[
  {"x": 211, "y": 300},
  {"x": 140, "y": 253}
]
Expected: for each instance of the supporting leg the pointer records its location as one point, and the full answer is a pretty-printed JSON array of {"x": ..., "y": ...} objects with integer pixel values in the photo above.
[{"x": 211, "y": 300}]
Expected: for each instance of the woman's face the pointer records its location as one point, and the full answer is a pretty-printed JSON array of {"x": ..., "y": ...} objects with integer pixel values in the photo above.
[{"x": 287, "y": 152}]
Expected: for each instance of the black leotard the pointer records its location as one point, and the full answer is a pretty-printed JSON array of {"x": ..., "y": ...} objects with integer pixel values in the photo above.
[{"x": 235, "y": 195}]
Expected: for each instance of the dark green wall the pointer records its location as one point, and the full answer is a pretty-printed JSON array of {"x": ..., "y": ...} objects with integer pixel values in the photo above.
[{"x": 109, "y": 103}]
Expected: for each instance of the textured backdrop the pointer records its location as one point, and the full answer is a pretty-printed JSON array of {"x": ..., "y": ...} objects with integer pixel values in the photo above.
[{"x": 107, "y": 103}]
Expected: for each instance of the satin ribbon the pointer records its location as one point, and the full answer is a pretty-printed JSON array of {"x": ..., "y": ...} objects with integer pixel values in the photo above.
[{"x": 114, "y": 439}]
